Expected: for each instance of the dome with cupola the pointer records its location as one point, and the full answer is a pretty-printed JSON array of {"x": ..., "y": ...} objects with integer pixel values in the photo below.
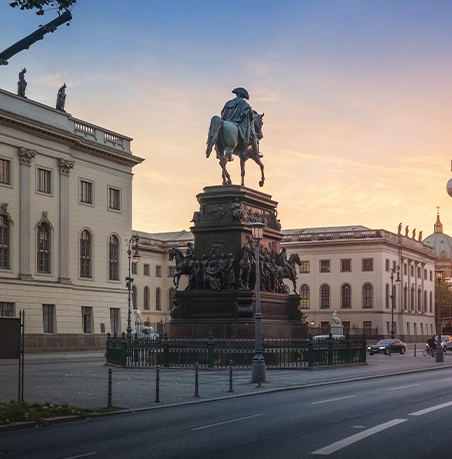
[{"x": 441, "y": 242}]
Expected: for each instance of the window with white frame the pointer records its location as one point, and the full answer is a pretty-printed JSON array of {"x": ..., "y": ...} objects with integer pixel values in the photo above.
[
  {"x": 304, "y": 267},
  {"x": 147, "y": 299},
  {"x": 304, "y": 296},
  {"x": 87, "y": 319},
  {"x": 114, "y": 198},
  {"x": 48, "y": 315},
  {"x": 85, "y": 254},
  {"x": 86, "y": 192},
  {"x": 146, "y": 270},
  {"x": 158, "y": 271},
  {"x": 346, "y": 298},
  {"x": 43, "y": 248},
  {"x": 368, "y": 264},
  {"x": 346, "y": 265},
  {"x": 5, "y": 172},
  {"x": 324, "y": 266},
  {"x": 113, "y": 261},
  {"x": 44, "y": 181},
  {"x": 368, "y": 295},
  {"x": 115, "y": 320},
  {"x": 325, "y": 296},
  {"x": 4, "y": 242}
]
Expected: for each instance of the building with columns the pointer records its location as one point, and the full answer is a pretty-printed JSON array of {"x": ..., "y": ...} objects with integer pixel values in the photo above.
[{"x": 65, "y": 217}]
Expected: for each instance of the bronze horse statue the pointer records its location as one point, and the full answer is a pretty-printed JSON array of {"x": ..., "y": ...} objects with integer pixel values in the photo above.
[
  {"x": 224, "y": 136},
  {"x": 285, "y": 273},
  {"x": 183, "y": 265}
]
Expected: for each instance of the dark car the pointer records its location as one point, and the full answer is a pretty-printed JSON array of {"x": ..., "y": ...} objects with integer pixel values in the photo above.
[{"x": 382, "y": 347}]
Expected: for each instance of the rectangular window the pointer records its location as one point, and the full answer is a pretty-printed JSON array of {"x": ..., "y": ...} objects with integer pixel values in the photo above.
[
  {"x": 158, "y": 271},
  {"x": 43, "y": 249},
  {"x": 7, "y": 310},
  {"x": 404, "y": 269},
  {"x": 146, "y": 270},
  {"x": 387, "y": 264},
  {"x": 48, "y": 314},
  {"x": 5, "y": 173},
  {"x": 368, "y": 264},
  {"x": 4, "y": 242},
  {"x": 346, "y": 265},
  {"x": 412, "y": 271},
  {"x": 324, "y": 266},
  {"x": 134, "y": 268},
  {"x": 44, "y": 181},
  {"x": 87, "y": 319},
  {"x": 425, "y": 274},
  {"x": 114, "y": 199},
  {"x": 431, "y": 275},
  {"x": 86, "y": 192},
  {"x": 367, "y": 327},
  {"x": 304, "y": 267},
  {"x": 171, "y": 271},
  {"x": 115, "y": 320},
  {"x": 418, "y": 272}
]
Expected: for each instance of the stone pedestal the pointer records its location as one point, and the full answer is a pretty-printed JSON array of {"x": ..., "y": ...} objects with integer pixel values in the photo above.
[
  {"x": 337, "y": 329},
  {"x": 221, "y": 228}
]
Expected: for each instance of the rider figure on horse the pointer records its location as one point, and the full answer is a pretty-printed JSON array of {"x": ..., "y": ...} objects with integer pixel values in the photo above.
[
  {"x": 239, "y": 111},
  {"x": 285, "y": 263}
]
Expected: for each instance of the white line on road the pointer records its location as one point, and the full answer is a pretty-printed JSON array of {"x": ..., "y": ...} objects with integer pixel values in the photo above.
[
  {"x": 404, "y": 387},
  {"x": 226, "y": 422},
  {"x": 81, "y": 455},
  {"x": 448, "y": 379},
  {"x": 432, "y": 408},
  {"x": 357, "y": 437},
  {"x": 333, "y": 399}
]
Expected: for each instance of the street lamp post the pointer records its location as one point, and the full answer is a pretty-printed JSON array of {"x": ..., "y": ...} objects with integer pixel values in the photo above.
[
  {"x": 258, "y": 364},
  {"x": 439, "y": 345},
  {"x": 129, "y": 280},
  {"x": 392, "y": 296}
]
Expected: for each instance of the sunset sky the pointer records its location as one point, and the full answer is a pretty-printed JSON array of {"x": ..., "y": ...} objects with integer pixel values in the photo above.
[{"x": 357, "y": 97}]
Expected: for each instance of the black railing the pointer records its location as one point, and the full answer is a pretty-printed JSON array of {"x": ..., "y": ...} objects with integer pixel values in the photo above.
[{"x": 211, "y": 353}]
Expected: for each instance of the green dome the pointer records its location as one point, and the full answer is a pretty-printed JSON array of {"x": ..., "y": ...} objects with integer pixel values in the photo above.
[{"x": 442, "y": 243}]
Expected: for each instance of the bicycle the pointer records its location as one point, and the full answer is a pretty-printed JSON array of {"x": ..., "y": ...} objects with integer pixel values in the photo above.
[{"x": 430, "y": 352}]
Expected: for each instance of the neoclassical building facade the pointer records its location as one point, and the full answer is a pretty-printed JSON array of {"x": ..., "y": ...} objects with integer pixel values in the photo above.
[{"x": 65, "y": 216}]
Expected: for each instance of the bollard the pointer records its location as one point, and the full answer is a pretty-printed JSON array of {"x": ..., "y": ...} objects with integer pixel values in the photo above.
[
  {"x": 110, "y": 371},
  {"x": 196, "y": 380},
  {"x": 415, "y": 350},
  {"x": 230, "y": 376},
  {"x": 157, "y": 385}
]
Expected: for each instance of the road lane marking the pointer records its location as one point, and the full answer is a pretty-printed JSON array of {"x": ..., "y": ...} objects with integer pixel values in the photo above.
[
  {"x": 432, "y": 408},
  {"x": 404, "y": 387},
  {"x": 333, "y": 399},
  {"x": 226, "y": 422},
  {"x": 357, "y": 437},
  {"x": 81, "y": 455},
  {"x": 448, "y": 379}
]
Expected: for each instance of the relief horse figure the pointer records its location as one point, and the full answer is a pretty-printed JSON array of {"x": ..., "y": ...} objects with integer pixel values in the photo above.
[
  {"x": 285, "y": 273},
  {"x": 183, "y": 265},
  {"x": 224, "y": 136}
]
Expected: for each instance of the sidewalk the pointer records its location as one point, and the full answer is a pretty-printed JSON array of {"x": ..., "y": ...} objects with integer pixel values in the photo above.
[{"x": 81, "y": 379}]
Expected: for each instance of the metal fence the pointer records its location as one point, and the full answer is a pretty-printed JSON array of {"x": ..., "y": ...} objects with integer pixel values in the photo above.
[{"x": 212, "y": 353}]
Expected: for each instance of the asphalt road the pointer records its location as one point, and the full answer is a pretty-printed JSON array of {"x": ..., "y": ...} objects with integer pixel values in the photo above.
[{"x": 404, "y": 416}]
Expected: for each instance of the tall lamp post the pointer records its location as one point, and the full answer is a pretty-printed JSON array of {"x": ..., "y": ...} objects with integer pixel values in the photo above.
[
  {"x": 439, "y": 346},
  {"x": 258, "y": 365},
  {"x": 397, "y": 281},
  {"x": 129, "y": 280}
]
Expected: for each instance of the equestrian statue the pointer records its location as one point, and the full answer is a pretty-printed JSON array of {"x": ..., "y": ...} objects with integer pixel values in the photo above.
[{"x": 237, "y": 132}]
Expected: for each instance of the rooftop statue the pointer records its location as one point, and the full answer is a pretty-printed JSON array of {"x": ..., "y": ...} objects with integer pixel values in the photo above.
[
  {"x": 22, "y": 84},
  {"x": 237, "y": 132},
  {"x": 61, "y": 98}
]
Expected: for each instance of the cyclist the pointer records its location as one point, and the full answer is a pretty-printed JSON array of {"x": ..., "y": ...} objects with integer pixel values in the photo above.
[{"x": 432, "y": 343}]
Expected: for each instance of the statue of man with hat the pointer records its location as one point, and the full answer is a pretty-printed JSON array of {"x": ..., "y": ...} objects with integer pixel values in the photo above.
[{"x": 239, "y": 111}]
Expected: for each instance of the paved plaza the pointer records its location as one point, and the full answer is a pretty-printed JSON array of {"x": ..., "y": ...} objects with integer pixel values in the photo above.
[{"x": 81, "y": 379}]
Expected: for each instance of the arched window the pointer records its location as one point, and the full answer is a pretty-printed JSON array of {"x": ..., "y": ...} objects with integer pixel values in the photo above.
[
  {"x": 134, "y": 296},
  {"x": 425, "y": 302},
  {"x": 325, "y": 296},
  {"x": 43, "y": 248},
  {"x": 304, "y": 296},
  {"x": 85, "y": 254},
  {"x": 172, "y": 296},
  {"x": 158, "y": 302},
  {"x": 147, "y": 294},
  {"x": 412, "y": 298},
  {"x": 4, "y": 242},
  {"x": 113, "y": 258},
  {"x": 431, "y": 303},
  {"x": 368, "y": 293},
  {"x": 419, "y": 299},
  {"x": 346, "y": 298}
]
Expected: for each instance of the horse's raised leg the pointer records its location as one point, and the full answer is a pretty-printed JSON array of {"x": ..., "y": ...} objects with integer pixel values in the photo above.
[{"x": 259, "y": 163}]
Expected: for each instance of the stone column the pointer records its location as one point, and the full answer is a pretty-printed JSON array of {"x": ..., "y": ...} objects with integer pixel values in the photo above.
[
  {"x": 25, "y": 158},
  {"x": 64, "y": 168}
]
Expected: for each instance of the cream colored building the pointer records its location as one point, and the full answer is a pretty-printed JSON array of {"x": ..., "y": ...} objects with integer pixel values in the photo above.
[
  {"x": 65, "y": 216},
  {"x": 348, "y": 269}
]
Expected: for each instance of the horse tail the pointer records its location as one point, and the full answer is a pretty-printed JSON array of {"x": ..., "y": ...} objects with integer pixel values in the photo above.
[{"x": 214, "y": 130}]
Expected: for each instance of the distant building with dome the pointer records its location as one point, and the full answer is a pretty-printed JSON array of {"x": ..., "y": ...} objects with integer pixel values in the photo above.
[{"x": 442, "y": 243}]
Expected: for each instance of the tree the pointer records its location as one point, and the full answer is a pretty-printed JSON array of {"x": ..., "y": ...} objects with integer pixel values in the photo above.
[
  {"x": 445, "y": 298},
  {"x": 40, "y": 4},
  {"x": 25, "y": 43}
]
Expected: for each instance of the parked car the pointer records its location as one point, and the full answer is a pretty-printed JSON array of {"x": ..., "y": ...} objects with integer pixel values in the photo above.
[
  {"x": 383, "y": 346},
  {"x": 146, "y": 332}
]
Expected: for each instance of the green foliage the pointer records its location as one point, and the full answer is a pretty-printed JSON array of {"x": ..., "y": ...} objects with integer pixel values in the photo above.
[
  {"x": 40, "y": 4},
  {"x": 13, "y": 412}
]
